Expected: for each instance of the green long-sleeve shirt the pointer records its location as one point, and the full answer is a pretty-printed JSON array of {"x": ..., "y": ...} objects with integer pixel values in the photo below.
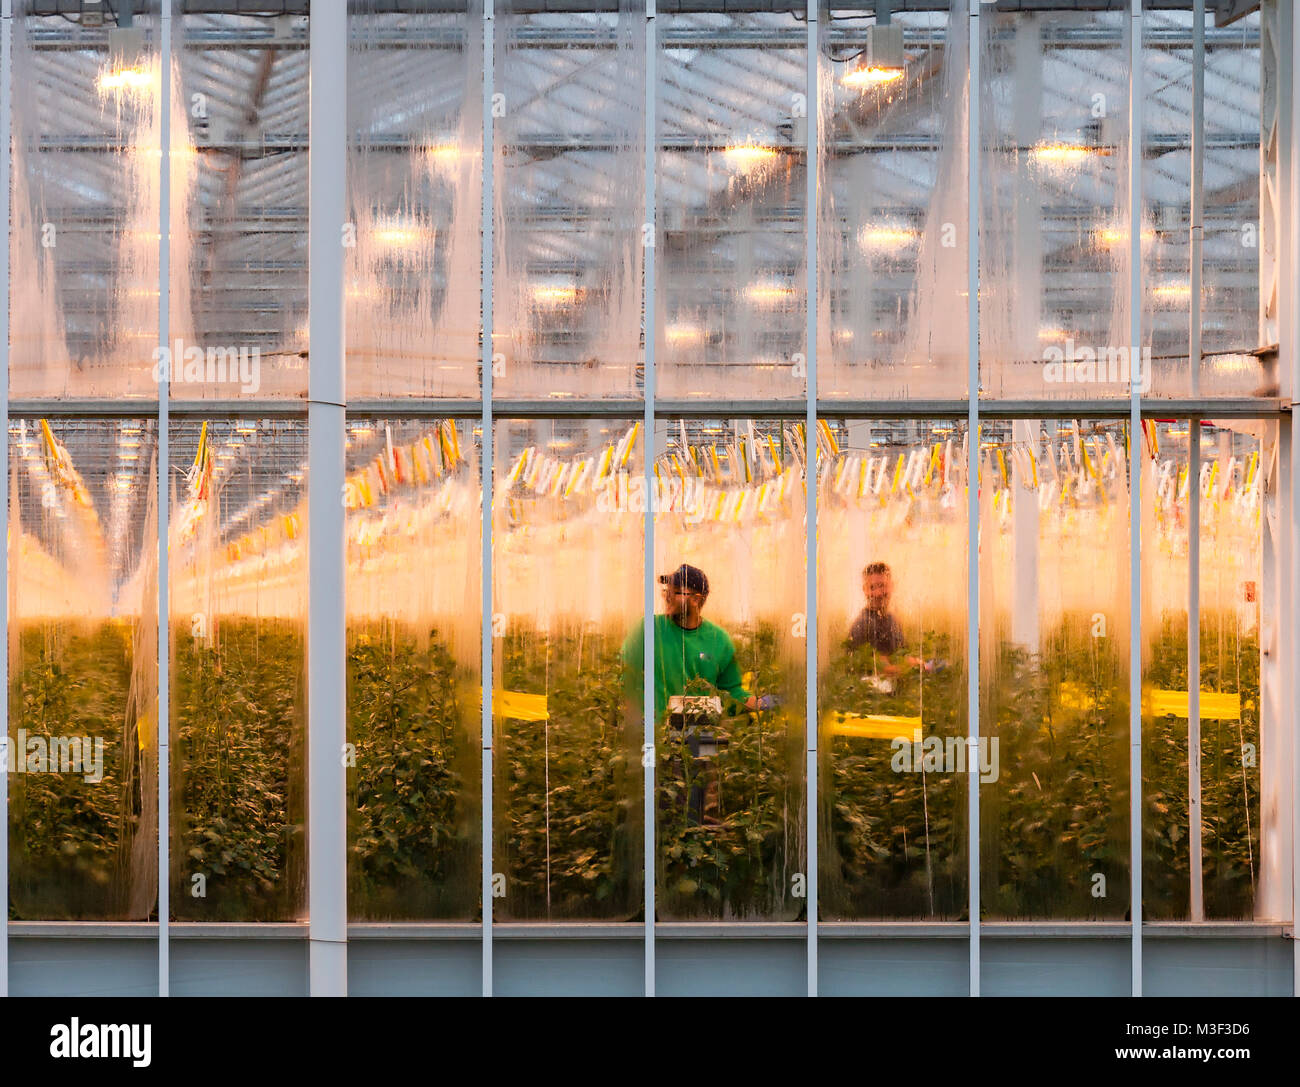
[{"x": 706, "y": 652}]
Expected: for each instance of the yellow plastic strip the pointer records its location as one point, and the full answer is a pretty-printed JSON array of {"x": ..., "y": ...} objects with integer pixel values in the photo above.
[
  {"x": 1215, "y": 705},
  {"x": 519, "y": 706},
  {"x": 873, "y": 726}
]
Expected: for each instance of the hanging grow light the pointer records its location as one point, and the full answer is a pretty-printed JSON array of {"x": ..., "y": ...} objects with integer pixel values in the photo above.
[
  {"x": 1113, "y": 236},
  {"x": 886, "y": 237},
  {"x": 555, "y": 294},
  {"x": 768, "y": 294},
  {"x": 747, "y": 156},
  {"x": 683, "y": 335},
  {"x": 126, "y": 69},
  {"x": 883, "y": 60}
]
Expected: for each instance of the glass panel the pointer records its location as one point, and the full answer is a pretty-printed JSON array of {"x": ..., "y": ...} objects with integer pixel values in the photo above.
[
  {"x": 1231, "y": 316},
  {"x": 731, "y": 244},
  {"x": 239, "y": 206},
  {"x": 570, "y": 190},
  {"x": 892, "y": 209},
  {"x": 1230, "y": 191},
  {"x": 891, "y": 635},
  {"x": 238, "y": 669},
  {"x": 567, "y": 554},
  {"x": 84, "y": 242},
  {"x": 730, "y": 670},
  {"x": 1240, "y": 869},
  {"x": 83, "y": 670},
  {"x": 414, "y": 163},
  {"x": 414, "y": 658},
  {"x": 1054, "y": 670},
  {"x": 1166, "y": 196},
  {"x": 1054, "y": 293}
]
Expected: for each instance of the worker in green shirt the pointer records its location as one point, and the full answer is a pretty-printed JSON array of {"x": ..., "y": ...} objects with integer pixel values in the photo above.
[{"x": 687, "y": 646}]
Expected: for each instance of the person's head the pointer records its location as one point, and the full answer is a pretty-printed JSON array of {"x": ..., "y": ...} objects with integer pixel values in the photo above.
[
  {"x": 685, "y": 591},
  {"x": 877, "y": 585}
]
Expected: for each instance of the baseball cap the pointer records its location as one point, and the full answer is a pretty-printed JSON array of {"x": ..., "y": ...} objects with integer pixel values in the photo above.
[{"x": 687, "y": 577}]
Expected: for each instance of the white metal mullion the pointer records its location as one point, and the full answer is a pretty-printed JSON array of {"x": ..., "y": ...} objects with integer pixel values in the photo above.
[
  {"x": 1197, "y": 903},
  {"x": 6, "y": 103},
  {"x": 163, "y": 731},
  {"x": 1135, "y": 489},
  {"x": 649, "y": 759},
  {"x": 486, "y": 467},
  {"x": 1289, "y": 160},
  {"x": 972, "y": 497},
  {"x": 326, "y": 420},
  {"x": 811, "y": 114}
]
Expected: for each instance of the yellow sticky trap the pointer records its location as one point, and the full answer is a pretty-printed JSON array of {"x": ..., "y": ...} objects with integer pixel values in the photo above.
[
  {"x": 1215, "y": 705},
  {"x": 144, "y": 731},
  {"x": 519, "y": 706},
  {"x": 874, "y": 726}
]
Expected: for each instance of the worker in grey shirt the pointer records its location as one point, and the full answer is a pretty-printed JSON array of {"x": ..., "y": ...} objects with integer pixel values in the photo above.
[{"x": 875, "y": 626}]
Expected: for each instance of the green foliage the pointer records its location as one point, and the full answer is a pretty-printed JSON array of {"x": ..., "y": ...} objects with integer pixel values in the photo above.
[
  {"x": 69, "y": 837},
  {"x": 568, "y": 790},
  {"x": 1230, "y": 790},
  {"x": 238, "y": 793},
  {"x": 892, "y": 844},
  {"x": 413, "y": 833}
]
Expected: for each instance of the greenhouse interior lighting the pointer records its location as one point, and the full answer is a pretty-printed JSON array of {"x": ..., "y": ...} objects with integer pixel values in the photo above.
[
  {"x": 1118, "y": 236},
  {"x": 748, "y": 155},
  {"x": 880, "y": 237},
  {"x": 1065, "y": 154},
  {"x": 768, "y": 293},
  {"x": 125, "y": 69},
  {"x": 683, "y": 334},
  {"x": 883, "y": 59},
  {"x": 554, "y": 294},
  {"x": 872, "y": 77}
]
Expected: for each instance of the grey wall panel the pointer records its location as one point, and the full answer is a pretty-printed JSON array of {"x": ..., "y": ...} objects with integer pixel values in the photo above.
[
  {"x": 257, "y": 967},
  {"x": 65, "y": 966},
  {"x": 1208, "y": 967},
  {"x": 551, "y": 967},
  {"x": 414, "y": 968},
  {"x": 731, "y": 967},
  {"x": 1055, "y": 967},
  {"x": 893, "y": 967}
]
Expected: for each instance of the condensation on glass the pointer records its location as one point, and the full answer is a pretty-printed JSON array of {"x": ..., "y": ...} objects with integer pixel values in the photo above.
[
  {"x": 891, "y": 686},
  {"x": 413, "y": 574},
  {"x": 568, "y": 512},
  {"x": 1054, "y": 205},
  {"x": 238, "y": 305},
  {"x": 415, "y": 158},
  {"x": 237, "y": 616},
  {"x": 569, "y": 122},
  {"x": 730, "y": 795},
  {"x": 1054, "y": 669},
  {"x": 83, "y": 674},
  {"x": 731, "y": 314},
  {"x": 1243, "y": 801},
  {"x": 84, "y": 208},
  {"x": 892, "y": 206}
]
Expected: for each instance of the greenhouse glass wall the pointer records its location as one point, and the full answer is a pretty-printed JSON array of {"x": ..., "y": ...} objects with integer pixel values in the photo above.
[{"x": 906, "y": 386}]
